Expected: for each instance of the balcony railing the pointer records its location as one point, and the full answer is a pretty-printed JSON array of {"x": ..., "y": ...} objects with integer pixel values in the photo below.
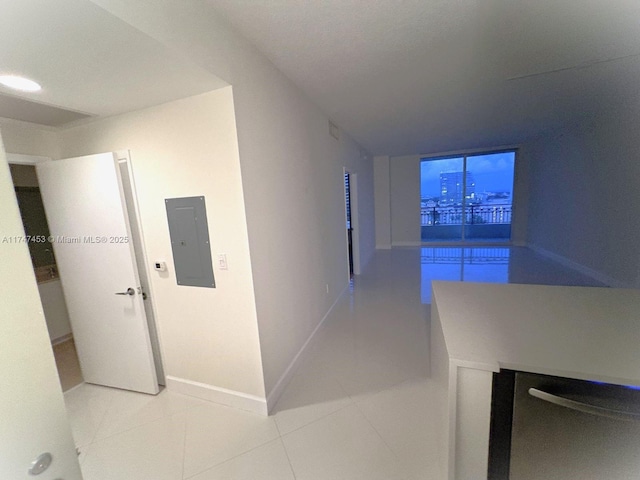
[
  {"x": 470, "y": 256},
  {"x": 473, "y": 215}
]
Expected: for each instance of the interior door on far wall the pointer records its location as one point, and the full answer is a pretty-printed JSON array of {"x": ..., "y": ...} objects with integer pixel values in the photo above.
[{"x": 87, "y": 216}]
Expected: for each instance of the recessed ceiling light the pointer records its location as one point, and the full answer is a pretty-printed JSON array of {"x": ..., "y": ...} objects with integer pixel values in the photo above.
[{"x": 19, "y": 83}]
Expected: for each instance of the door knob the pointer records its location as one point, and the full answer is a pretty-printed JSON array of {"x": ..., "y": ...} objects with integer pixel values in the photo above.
[
  {"x": 40, "y": 464},
  {"x": 130, "y": 291}
]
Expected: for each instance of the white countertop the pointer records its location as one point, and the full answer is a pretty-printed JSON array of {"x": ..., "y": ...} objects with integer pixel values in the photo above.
[{"x": 578, "y": 332}]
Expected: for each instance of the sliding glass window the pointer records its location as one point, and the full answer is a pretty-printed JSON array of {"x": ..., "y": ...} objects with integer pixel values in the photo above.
[{"x": 467, "y": 197}]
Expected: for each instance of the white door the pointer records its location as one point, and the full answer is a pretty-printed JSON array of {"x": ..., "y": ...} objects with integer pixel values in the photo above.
[
  {"x": 88, "y": 221},
  {"x": 33, "y": 419}
]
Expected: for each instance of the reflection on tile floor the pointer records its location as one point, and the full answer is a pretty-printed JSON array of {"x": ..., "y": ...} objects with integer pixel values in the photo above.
[
  {"x": 358, "y": 407},
  {"x": 492, "y": 265}
]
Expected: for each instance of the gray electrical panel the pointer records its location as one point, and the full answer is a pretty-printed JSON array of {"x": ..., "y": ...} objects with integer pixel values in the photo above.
[{"x": 189, "y": 233}]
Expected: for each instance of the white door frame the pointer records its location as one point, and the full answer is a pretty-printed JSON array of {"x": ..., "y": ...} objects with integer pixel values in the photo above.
[
  {"x": 124, "y": 161},
  {"x": 19, "y": 159},
  {"x": 35, "y": 420},
  {"x": 137, "y": 234}
]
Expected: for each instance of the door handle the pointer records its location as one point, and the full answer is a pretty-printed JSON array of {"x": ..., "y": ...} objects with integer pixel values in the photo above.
[
  {"x": 130, "y": 291},
  {"x": 584, "y": 407}
]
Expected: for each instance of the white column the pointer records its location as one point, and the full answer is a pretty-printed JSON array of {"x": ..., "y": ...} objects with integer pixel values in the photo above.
[{"x": 382, "y": 202}]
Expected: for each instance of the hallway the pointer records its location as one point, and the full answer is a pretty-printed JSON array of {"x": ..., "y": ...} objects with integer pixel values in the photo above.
[{"x": 358, "y": 408}]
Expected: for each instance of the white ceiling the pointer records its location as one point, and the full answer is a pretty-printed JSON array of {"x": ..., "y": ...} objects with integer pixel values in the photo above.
[
  {"x": 407, "y": 76},
  {"x": 87, "y": 61},
  {"x": 401, "y": 76}
]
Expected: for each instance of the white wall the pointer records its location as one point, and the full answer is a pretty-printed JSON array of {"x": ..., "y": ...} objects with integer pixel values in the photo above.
[
  {"x": 29, "y": 139},
  {"x": 521, "y": 198},
  {"x": 33, "y": 416},
  {"x": 584, "y": 197},
  {"x": 403, "y": 182},
  {"x": 404, "y": 191},
  {"x": 291, "y": 182},
  {"x": 382, "y": 201},
  {"x": 366, "y": 206},
  {"x": 55, "y": 309},
  {"x": 291, "y": 174},
  {"x": 187, "y": 148}
]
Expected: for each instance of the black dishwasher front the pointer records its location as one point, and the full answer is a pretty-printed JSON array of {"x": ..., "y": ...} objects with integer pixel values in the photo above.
[{"x": 566, "y": 429}]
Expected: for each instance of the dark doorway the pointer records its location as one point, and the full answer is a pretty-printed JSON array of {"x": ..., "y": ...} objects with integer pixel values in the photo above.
[{"x": 347, "y": 198}]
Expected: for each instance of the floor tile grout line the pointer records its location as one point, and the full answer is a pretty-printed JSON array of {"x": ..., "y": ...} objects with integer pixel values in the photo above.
[
  {"x": 102, "y": 419},
  {"x": 94, "y": 440},
  {"x": 286, "y": 452},
  {"x": 231, "y": 458},
  {"x": 360, "y": 399},
  {"x": 280, "y": 436},
  {"x": 238, "y": 455},
  {"x": 395, "y": 386},
  {"x": 393, "y": 453},
  {"x": 284, "y": 448},
  {"x": 130, "y": 429},
  {"x": 277, "y": 427},
  {"x": 184, "y": 442},
  {"x": 317, "y": 419},
  {"x": 376, "y": 392},
  {"x": 126, "y": 430}
]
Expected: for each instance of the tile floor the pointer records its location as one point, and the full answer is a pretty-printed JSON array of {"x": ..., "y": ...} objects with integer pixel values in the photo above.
[
  {"x": 67, "y": 364},
  {"x": 357, "y": 409}
]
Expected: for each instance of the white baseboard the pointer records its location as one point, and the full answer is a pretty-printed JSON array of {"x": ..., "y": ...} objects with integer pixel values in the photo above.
[
  {"x": 276, "y": 391},
  {"x": 406, "y": 244},
  {"x": 578, "y": 267},
  {"x": 223, "y": 396}
]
